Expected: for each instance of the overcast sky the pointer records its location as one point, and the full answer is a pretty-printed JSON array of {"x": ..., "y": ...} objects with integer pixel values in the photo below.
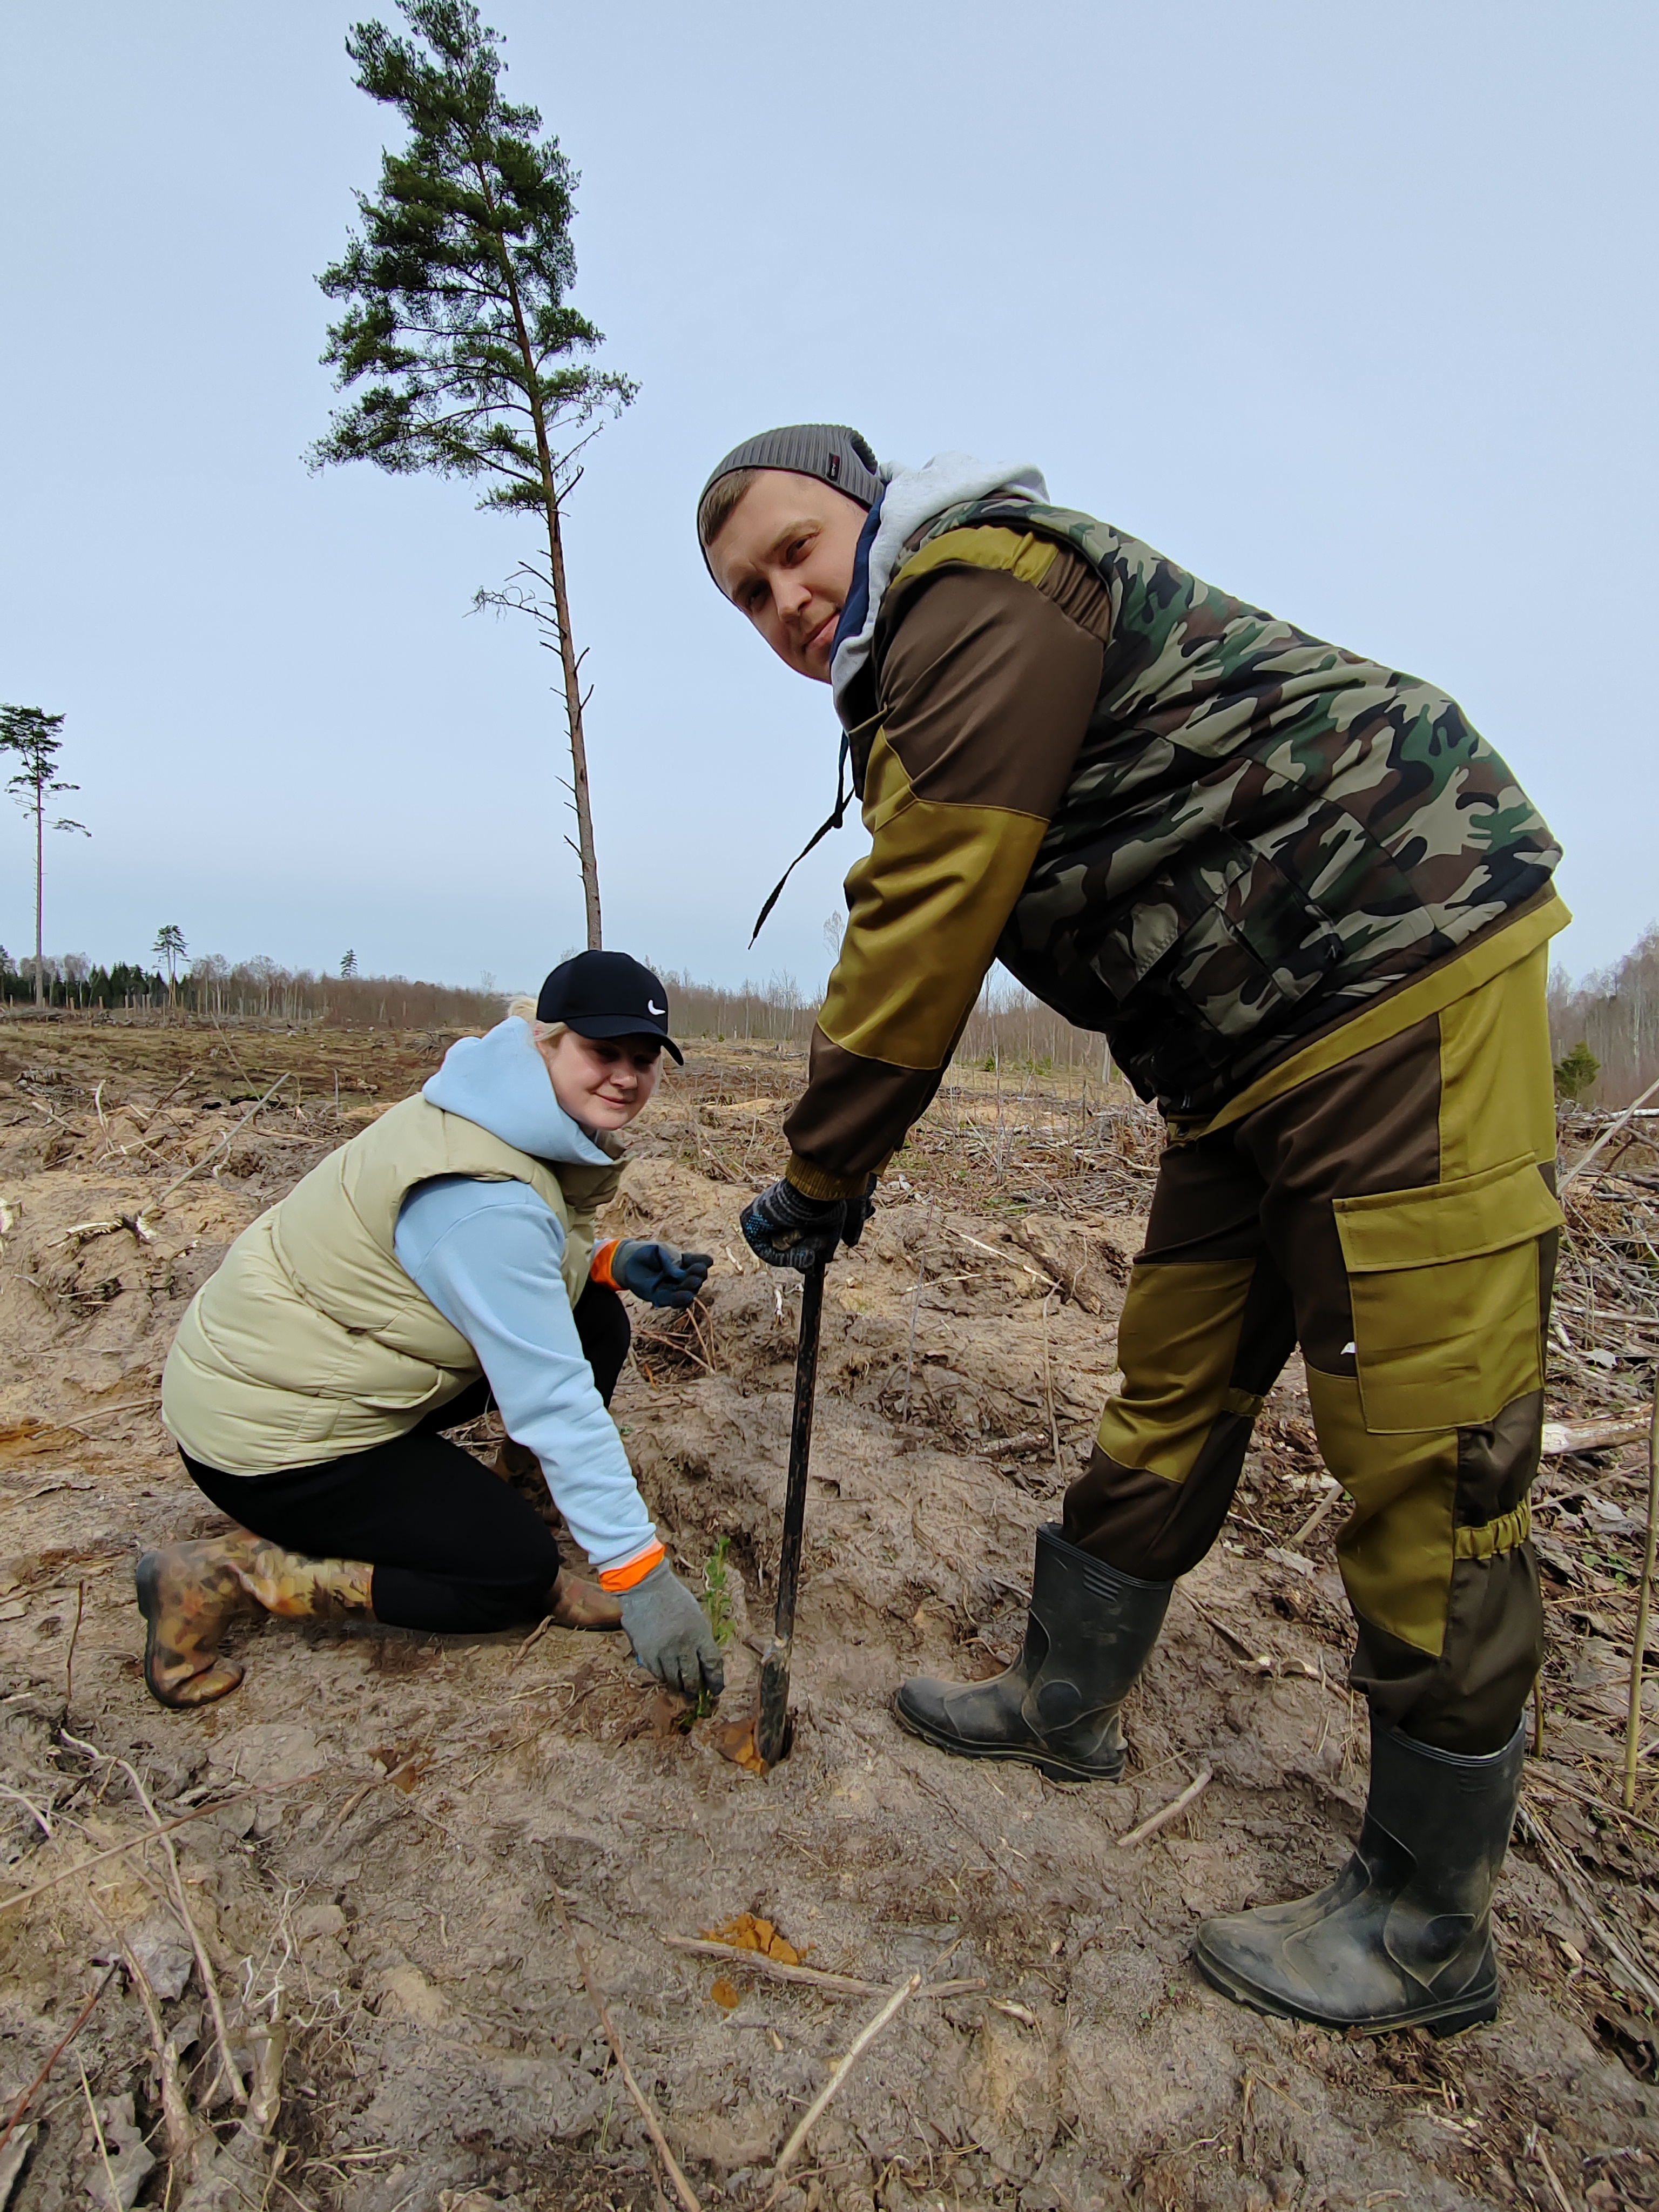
[{"x": 1348, "y": 309}]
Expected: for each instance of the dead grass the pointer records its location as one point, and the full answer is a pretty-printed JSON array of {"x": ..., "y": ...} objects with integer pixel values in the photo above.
[{"x": 395, "y": 1910}]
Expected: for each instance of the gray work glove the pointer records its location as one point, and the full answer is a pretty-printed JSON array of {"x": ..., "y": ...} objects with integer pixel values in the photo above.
[{"x": 671, "y": 1635}]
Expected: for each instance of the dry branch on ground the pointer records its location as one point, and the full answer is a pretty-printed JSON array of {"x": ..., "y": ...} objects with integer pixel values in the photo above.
[{"x": 373, "y": 1824}]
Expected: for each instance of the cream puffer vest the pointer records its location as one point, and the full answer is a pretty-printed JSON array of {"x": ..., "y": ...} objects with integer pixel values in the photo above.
[{"x": 311, "y": 1342}]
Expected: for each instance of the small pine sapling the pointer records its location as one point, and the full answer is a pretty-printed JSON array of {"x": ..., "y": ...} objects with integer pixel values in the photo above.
[{"x": 1577, "y": 1072}]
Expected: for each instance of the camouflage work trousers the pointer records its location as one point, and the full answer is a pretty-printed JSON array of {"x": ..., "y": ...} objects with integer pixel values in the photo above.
[{"x": 1394, "y": 1216}]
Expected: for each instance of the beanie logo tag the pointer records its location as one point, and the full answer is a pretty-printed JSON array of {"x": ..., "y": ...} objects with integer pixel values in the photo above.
[{"x": 832, "y": 468}]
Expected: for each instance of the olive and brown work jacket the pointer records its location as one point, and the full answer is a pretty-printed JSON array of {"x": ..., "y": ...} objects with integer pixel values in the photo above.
[{"x": 1176, "y": 819}]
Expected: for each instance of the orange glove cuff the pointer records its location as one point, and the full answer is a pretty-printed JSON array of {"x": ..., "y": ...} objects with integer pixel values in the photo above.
[
  {"x": 599, "y": 1269},
  {"x": 634, "y": 1570}
]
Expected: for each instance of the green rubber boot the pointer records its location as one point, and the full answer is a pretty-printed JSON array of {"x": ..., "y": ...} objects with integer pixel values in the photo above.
[
  {"x": 1056, "y": 1708},
  {"x": 1403, "y": 1936}
]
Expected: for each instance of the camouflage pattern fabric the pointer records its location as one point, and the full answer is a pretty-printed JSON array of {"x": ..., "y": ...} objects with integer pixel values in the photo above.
[{"x": 1261, "y": 832}]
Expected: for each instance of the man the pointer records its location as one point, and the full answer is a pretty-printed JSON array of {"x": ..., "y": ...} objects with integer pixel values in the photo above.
[{"x": 1309, "y": 908}]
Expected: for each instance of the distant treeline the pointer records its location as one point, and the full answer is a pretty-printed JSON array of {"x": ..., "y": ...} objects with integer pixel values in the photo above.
[
  {"x": 1008, "y": 1027},
  {"x": 1615, "y": 1012},
  {"x": 73, "y": 980},
  {"x": 256, "y": 989}
]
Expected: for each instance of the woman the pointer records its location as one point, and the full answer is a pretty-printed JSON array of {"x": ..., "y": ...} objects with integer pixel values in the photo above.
[{"x": 446, "y": 1253}]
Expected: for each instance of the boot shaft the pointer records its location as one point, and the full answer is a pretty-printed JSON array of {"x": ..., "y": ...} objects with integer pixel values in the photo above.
[
  {"x": 296, "y": 1587},
  {"x": 1436, "y": 1831},
  {"x": 1087, "y": 1635},
  {"x": 1088, "y": 1632}
]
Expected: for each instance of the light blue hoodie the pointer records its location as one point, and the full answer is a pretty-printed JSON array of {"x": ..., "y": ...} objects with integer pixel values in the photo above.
[{"x": 487, "y": 1254}]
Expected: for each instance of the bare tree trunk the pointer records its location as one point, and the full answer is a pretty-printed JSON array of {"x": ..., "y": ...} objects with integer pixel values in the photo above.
[
  {"x": 40, "y": 898},
  {"x": 572, "y": 711},
  {"x": 585, "y": 852}
]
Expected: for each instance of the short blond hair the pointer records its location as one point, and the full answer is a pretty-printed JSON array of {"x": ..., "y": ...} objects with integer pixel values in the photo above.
[
  {"x": 523, "y": 1010},
  {"x": 719, "y": 503}
]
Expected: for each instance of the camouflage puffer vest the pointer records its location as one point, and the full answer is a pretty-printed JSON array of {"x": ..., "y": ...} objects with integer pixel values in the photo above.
[{"x": 1262, "y": 831}]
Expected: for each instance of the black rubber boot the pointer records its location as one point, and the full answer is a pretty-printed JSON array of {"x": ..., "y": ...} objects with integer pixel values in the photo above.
[
  {"x": 1403, "y": 1935},
  {"x": 1056, "y": 1708}
]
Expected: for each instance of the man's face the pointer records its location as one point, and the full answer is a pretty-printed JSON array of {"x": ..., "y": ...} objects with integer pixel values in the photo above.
[{"x": 785, "y": 557}]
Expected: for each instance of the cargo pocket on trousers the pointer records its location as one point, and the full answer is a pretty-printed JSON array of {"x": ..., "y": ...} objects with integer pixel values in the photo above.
[{"x": 1443, "y": 1281}]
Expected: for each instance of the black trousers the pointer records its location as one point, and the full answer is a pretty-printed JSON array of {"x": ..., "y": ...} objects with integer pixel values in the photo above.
[{"x": 454, "y": 1549}]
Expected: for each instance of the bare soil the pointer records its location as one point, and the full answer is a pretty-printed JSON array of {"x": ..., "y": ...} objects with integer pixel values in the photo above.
[{"x": 392, "y": 1814}]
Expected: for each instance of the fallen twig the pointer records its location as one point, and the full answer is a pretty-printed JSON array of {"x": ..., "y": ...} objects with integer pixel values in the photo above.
[
  {"x": 1536, "y": 2148},
  {"x": 1604, "y": 1139},
  {"x": 223, "y": 1144},
  {"x": 29, "y": 1805},
  {"x": 228, "y": 2071},
  {"x": 1639, "y": 1981},
  {"x": 52, "y": 2057},
  {"x": 1227, "y": 1635},
  {"x": 175, "y": 2110},
  {"x": 1048, "y": 1383},
  {"x": 1563, "y": 1437},
  {"x": 1640, "y": 1646},
  {"x": 98, "y": 2133},
  {"x": 838, "y": 2073},
  {"x": 1315, "y": 1517},
  {"x": 75, "y": 1637},
  {"x": 531, "y": 1641},
  {"x": 133, "y": 1843},
  {"x": 776, "y": 1970},
  {"x": 915, "y": 1313},
  {"x": 682, "y": 2188},
  {"x": 1172, "y": 1811}
]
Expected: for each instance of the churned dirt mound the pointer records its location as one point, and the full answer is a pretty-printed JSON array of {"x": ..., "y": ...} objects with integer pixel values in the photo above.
[{"x": 391, "y": 1848}]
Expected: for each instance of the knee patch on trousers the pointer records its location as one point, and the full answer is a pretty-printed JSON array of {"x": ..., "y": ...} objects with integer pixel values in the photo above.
[{"x": 1177, "y": 1344}]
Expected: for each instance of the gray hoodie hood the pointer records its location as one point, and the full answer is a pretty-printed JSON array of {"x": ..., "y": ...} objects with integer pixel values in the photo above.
[
  {"x": 501, "y": 1082},
  {"x": 911, "y": 499}
]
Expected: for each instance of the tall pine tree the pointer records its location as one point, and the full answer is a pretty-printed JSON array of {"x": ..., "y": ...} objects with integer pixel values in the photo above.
[
  {"x": 456, "y": 326},
  {"x": 33, "y": 737}
]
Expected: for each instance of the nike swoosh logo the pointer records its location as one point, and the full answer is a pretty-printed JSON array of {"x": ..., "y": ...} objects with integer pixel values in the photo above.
[{"x": 651, "y": 1007}]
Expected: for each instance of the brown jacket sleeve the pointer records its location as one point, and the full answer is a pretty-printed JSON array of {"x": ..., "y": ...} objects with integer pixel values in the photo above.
[{"x": 987, "y": 678}]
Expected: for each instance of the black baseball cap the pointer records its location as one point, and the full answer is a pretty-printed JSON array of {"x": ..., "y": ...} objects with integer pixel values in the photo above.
[{"x": 607, "y": 994}]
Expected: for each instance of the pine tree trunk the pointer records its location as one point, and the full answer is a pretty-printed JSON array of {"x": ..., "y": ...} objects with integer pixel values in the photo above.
[
  {"x": 573, "y": 710},
  {"x": 573, "y": 689},
  {"x": 39, "y": 897}
]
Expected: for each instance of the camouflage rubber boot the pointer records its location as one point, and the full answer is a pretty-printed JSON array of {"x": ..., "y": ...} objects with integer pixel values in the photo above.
[
  {"x": 296, "y": 1587},
  {"x": 1403, "y": 1936},
  {"x": 575, "y": 1603},
  {"x": 188, "y": 1593},
  {"x": 1056, "y": 1708}
]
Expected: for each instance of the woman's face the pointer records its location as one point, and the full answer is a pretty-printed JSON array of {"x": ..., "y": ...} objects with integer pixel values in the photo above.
[{"x": 601, "y": 1082}]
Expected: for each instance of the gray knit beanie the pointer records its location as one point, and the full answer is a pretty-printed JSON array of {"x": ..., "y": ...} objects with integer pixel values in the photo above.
[{"x": 829, "y": 451}]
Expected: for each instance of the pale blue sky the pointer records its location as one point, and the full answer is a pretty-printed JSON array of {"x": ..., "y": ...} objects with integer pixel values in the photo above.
[{"x": 1350, "y": 309}]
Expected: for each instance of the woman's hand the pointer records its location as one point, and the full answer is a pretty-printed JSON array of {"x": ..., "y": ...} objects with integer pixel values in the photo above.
[
  {"x": 661, "y": 1274},
  {"x": 670, "y": 1634}
]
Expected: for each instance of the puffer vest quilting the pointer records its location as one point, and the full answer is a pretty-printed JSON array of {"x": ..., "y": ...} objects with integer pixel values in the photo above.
[
  {"x": 1262, "y": 831},
  {"x": 311, "y": 1342}
]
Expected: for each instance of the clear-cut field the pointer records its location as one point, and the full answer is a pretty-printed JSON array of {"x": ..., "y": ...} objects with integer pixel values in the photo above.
[{"x": 391, "y": 1892}]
